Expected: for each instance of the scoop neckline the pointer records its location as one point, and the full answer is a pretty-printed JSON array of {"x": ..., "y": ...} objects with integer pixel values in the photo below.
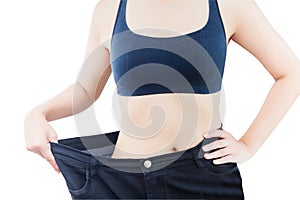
[{"x": 171, "y": 37}]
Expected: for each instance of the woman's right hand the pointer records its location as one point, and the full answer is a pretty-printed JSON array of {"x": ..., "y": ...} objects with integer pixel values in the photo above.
[{"x": 38, "y": 134}]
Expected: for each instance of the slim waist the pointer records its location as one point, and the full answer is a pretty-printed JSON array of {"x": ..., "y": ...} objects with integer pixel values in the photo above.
[
  {"x": 80, "y": 150},
  {"x": 96, "y": 151}
]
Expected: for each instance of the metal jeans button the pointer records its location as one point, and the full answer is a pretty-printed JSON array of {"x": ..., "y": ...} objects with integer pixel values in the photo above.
[{"x": 147, "y": 163}]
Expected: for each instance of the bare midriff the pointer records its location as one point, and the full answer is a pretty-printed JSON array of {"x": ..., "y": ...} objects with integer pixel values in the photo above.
[{"x": 157, "y": 124}]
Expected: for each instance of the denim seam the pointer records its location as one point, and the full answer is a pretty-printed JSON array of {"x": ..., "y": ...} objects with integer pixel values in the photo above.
[{"x": 85, "y": 187}]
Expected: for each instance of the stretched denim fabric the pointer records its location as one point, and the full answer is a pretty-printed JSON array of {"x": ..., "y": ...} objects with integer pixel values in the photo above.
[{"x": 91, "y": 173}]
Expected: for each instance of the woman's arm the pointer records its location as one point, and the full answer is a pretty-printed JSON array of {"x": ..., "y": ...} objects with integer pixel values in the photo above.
[
  {"x": 76, "y": 98},
  {"x": 254, "y": 33},
  {"x": 90, "y": 81}
]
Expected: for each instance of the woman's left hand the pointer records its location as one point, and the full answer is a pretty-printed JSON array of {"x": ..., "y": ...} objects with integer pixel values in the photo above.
[{"x": 232, "y": 150}]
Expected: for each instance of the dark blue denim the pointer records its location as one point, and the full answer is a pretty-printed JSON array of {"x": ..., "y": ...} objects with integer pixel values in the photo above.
[{"x": 91, "y": 173}]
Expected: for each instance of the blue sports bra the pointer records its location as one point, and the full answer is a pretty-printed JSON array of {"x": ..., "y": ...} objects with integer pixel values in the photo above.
[{"x": 190, "y": 63}]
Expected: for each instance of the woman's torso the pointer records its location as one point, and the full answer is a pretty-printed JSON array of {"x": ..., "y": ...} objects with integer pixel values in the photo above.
[{"x": 166, "y": 122}]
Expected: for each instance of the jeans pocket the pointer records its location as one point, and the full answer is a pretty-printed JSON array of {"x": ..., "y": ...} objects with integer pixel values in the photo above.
[
  {"x": 218, "y": 169},
  {"x": 77, "y": 174},
  {"x": 214, "y": 169}
]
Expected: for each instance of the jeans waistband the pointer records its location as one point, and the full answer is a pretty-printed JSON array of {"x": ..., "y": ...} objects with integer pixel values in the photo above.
[{"x": 78, "y": 148}]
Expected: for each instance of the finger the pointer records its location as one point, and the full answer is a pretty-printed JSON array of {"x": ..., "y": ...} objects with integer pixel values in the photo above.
[
  {"x": 52, "y": 136},
  {"x": 219, "y": 153},
  {"x": 215, "y": 133},
  {"x": 221, "y": 143},
  {"x": 225, "y": 159},
  {"x": 47, "y": 155}
]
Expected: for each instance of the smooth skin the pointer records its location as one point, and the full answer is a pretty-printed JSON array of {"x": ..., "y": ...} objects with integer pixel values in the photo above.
[{"x": 244, "y": 24}]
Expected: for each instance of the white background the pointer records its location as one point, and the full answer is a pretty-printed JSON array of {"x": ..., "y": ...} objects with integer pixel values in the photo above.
[{"x": 42, "y": 48}]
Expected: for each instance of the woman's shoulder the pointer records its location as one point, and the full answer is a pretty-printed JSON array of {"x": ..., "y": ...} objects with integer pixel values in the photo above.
[
  {"x": 104, "y": 15},
  {"x": 238, "y": 8},
  {"x": 232, "y": 11},
  {"x": 107, "y": 7}
]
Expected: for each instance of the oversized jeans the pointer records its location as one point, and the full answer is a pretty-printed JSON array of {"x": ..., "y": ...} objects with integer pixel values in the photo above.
[{"x": 91, "y": 173}]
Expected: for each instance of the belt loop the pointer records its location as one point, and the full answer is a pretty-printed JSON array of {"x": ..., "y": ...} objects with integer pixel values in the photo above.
[{"x": 221, "y": 128}]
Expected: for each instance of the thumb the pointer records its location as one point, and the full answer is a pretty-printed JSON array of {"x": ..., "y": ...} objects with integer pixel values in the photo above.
[{"x": 52, "y": 136}]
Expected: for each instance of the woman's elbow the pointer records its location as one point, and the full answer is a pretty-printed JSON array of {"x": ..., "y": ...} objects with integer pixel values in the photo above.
[
  {"x": 295, "y": 77},
  {"x": 298, "y": 83},
  {"x": 292, "y": 78}
]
